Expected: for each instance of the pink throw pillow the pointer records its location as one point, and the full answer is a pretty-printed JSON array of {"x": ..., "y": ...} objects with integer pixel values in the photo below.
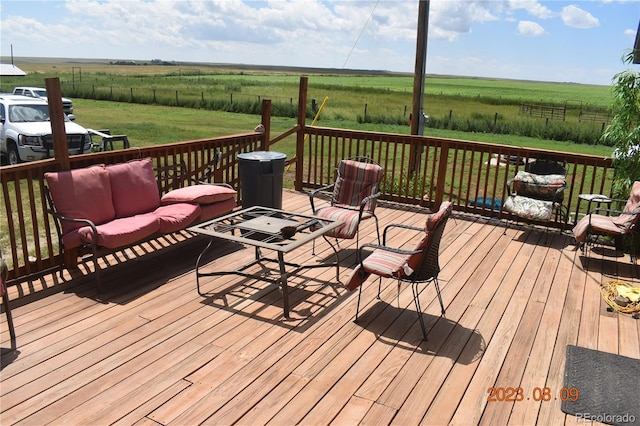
[
  {"x": 134, "y": 187},
  {"x": 199, "y": 194},
  {"x": 82, "y": 194}
]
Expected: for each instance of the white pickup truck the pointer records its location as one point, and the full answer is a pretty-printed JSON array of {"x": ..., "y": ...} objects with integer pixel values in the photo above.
[
  {"x": 39, "y": 92},
  {"x": 25, "y": 130}
]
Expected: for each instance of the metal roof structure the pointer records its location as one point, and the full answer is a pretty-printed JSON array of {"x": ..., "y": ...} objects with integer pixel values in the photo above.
[{"x": 7, "y": 70}]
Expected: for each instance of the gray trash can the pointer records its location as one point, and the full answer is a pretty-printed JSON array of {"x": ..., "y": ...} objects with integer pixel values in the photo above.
[{"x": 261, "y": 178}]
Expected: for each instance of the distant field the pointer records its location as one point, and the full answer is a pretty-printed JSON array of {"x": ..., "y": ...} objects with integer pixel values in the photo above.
[{"x": 352, "y": 95}]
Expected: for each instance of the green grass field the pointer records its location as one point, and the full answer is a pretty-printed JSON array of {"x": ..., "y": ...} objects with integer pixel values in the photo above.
[{"x": 350, "y": 96}]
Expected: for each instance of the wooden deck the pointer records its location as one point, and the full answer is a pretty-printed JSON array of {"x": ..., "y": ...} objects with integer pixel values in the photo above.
[{"x": 151, "y": 351}]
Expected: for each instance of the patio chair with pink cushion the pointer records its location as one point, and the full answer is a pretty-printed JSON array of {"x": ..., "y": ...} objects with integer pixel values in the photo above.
[
  {"x": 5, "y": 301},
  {"x": 605, "y": 221},
  {"x": 417, "y": 266},
  {"x": 353, "y": 198}
]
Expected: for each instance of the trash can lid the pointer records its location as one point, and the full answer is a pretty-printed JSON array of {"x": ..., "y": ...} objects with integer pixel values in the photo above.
[{"x": 262, "y": 156}]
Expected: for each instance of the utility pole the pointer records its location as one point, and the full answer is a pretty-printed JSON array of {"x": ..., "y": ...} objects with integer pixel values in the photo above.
[
  {"x": 636, "y": 47},
  {"x": 419, "y": 75}
]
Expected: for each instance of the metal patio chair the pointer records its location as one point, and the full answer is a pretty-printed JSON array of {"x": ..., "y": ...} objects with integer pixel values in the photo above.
[
  {"x": 606, "y": 221},
  {"x": 418, "y": 266},
  {"x": 537, "y": 192},
  {"x": 353, "y": 198}
]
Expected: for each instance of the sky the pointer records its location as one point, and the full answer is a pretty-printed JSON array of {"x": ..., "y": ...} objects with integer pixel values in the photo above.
[{"x": 562, "y": 41}]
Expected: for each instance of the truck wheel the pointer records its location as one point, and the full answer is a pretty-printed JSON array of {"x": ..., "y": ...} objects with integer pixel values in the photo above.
[{"x": 12, "y": 154}]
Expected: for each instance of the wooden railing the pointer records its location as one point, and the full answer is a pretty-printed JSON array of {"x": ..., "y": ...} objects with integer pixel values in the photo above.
[
  {"x": 28, "y": 240},
  {"x": 426, "y": 171},
  {"x": 419, "y": 170}
]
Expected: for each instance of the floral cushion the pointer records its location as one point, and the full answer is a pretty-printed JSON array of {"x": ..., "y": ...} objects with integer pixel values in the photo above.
[
  {"x": 544, "y": 187},
  {"x": 529, "y": 208}
]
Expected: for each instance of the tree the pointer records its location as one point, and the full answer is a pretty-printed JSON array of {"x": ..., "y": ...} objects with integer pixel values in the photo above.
[{"x": 623, "y": 132}]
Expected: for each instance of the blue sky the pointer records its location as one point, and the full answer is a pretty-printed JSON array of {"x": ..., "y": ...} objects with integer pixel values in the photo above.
[{"x": 578, "y": 41}]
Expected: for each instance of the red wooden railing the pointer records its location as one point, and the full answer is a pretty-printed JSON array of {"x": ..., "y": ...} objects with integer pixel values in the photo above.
[
  {"x": 419, "y": 170},
  {"x": 28, "y": 240}
]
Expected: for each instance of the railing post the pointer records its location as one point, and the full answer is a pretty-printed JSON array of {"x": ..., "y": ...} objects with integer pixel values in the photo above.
[
  {"x": 442, "y": 172},
  {"x": 302, "y": 114},
  {"x": 266, "y": 122},
  {"x": 56, "y": 113}
]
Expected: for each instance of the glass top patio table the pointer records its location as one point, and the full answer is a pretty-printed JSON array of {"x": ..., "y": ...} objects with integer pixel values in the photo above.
[{"x": 267, "y": 228}]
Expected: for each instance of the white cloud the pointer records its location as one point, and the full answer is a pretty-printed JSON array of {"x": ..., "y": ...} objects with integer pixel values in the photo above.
[
  {"x": 450, "y": 19},
  {"x": 532, "y": 7},
  {"x": 529, "y": 28},
  {"x": 573, "y": 16}
]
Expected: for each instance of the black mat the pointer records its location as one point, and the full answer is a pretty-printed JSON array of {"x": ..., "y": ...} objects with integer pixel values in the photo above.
[{"x": 608, "y": 386}]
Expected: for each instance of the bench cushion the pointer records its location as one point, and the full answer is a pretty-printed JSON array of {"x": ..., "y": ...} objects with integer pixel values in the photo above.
[
  {"x": 175, "y": 217},
  {"x": 200, "y": 194},
  {"x": 124, "y": 231},
  {"x": 134, "y": 187},
  {"x": 209, "y": 211},
  {"x": 82, "y": 194}
]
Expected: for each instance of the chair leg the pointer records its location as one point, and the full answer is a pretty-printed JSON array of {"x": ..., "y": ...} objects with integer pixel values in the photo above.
[
  {"x": 437, "y": 286},
  {"x": 377, "y": 228},
  {"x": 358, "y": 304},
  {"x": 7, "y": 310},
  {"x": 96, "y": 267},
  {"x": 416, "y": 299}
]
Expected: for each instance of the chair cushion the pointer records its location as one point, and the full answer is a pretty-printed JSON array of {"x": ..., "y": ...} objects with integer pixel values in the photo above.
[
  {"x": 599, "y": 224},
  {"x": 620, "y": 225},
  {"x": 124, "y": 231},
  {"x": 357, "y": 277},
  {"x": 349, "y": 219},
  {"x": 356, "y": 180},
  {"x": 633, "y": 204},
  {"x": 175, "y": 217},
  {"x": 385, "y": 263},
  {"x": 529, "y": 208},
  {"x": 200, "y": 194},
  {"x": 538, "y": 186},
  {"x": 209, "y": 211},
  {"x": 134, "y": 187},
  {"x": 82, "y": 194},
  {"x": 434, "y": 219}
]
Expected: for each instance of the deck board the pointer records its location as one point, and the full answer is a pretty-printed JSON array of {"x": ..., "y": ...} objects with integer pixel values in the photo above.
[{"x": 151, "y": 351}]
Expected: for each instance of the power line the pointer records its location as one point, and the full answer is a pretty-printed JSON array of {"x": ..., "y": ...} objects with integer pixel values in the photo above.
[{"x": 360, "y": 35}]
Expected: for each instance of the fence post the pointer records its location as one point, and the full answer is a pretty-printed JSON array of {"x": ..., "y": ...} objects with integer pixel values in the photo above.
[{"x": 302, "y": 114}]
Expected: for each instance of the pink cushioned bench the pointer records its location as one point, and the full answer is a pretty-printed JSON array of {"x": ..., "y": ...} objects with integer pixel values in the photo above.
[{"x": 115, "y": 206}]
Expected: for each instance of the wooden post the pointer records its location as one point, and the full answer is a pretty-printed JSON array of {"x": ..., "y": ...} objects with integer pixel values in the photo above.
[
  {"x": 302, "y": 115},
  {"x": 56, "y": 112},
  {"x": 266, "y": 122},
  {"x": 419, "y": 75},
  {"x": 442, "y": 174}
]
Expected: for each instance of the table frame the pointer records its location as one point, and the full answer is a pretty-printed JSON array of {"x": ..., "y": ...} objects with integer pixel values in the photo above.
[{"x": 260, "y": 227}]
